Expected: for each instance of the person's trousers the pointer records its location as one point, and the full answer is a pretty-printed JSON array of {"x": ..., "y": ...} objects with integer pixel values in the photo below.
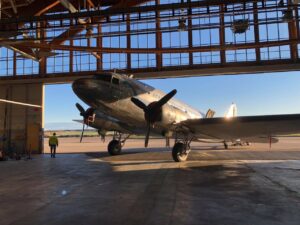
[{"x": 53, "y": 150}]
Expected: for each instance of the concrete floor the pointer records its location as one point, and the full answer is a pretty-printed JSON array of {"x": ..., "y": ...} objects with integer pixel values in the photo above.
[{"x": 244, "y": 185}]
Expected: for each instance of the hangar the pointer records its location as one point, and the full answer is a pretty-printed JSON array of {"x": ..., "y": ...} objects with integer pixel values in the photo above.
[{"x": 57, "y": 41}]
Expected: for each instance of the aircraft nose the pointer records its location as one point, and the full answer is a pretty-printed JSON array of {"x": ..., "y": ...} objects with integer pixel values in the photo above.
[
  {"x": 82, "y": 85},
  {"x": 91, "y": 90},
  {"x": 83, "y": 88}
]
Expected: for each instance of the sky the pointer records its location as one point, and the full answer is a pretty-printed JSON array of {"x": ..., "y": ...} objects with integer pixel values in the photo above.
[{"x": 254, "y": 94}]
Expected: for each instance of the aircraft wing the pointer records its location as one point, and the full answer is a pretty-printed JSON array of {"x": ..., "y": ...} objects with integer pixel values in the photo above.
[{"x": 242, "y": 127}]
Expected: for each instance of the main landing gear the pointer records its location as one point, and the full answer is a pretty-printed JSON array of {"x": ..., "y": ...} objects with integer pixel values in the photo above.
[
  {"x": 181, "y": 148},
  {"x": 225, "y": 145},
  {"x": 115, "y": 146}
]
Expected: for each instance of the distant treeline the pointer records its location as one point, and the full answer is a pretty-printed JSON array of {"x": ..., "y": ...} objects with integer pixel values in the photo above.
[
  {"x": 87, "y": 133},
  {"x": 71, "y": 133}
]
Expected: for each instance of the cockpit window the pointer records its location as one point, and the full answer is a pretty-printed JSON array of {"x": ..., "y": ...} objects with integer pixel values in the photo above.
[
  {"x": 115, "y": 81},
  {"x": 106, "y": 78}
]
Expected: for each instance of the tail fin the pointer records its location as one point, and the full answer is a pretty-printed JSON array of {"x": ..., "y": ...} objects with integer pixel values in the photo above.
[
  {"x": 210, "y": 114},
  {"x": 232, "y": 111}
]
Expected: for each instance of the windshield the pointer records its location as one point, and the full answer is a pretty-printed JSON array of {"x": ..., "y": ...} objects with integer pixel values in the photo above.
[{"x": 104, "y": 77}]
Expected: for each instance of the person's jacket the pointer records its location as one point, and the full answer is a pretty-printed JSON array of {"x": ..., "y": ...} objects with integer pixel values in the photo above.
[{"x": 53, "y": 140}]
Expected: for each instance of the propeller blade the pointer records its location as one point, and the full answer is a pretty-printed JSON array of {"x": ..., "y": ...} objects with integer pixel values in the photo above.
[
  {"x": 152, "y": 110},
  {"x": 165, "y": 99},
  {"x": 82, "y": 132},
  {"x": 80, "y": 108},
  {"x": 139, "y": 103},
  {"x": 147, "y": 134}
]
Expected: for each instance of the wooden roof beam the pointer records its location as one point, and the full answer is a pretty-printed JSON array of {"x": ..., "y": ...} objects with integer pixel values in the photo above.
[
  {"x": 22, "y": 50},
  {"x": 72, "y": 32},
  {"x": 13, "y": 6}
]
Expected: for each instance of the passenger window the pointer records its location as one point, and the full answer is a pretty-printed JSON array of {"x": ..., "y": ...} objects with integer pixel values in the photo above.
[{"x": 115, "y": 81}]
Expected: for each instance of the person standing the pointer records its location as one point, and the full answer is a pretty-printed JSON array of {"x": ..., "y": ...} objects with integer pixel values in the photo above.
[{"x": 53, "y": 143}]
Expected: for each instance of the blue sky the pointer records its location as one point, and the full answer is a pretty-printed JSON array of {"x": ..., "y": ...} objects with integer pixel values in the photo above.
[{"x": 254, "y": 94}]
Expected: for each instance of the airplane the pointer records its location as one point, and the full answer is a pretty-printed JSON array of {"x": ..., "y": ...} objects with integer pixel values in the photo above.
[{"x": 127, "y": 106}]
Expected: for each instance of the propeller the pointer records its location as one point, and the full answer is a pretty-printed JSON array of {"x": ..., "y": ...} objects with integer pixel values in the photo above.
[
  {"x": 85, "y": 114},
  {"x": 153, "y": 112}
]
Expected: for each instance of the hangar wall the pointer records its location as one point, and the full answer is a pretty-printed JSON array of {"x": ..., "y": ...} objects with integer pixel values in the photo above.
[{"x": 21, "y": 127}]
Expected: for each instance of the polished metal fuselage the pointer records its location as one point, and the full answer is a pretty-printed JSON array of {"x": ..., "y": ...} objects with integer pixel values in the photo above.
[{"x": 112, "y": 101}]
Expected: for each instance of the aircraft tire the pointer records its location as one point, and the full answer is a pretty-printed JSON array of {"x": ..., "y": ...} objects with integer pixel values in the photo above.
[
  {"x": 114, "y": 147},
  {"x": 178, "y": 152}
]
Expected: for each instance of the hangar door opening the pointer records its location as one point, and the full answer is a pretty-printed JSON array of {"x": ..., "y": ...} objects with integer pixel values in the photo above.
[{"x": 63, "y": 118}]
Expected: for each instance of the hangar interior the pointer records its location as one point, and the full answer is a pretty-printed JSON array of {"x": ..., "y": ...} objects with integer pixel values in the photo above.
[{"x": 57, "y": 41}]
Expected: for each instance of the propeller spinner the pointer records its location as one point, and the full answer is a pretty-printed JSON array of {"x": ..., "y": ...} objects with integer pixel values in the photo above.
[{"x": 153, "y": 111}]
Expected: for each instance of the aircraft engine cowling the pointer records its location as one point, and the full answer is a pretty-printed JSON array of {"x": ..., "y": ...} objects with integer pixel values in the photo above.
[
  {"x": 168, "y": 115},
  {"x": 92, "y": 119},
  {"x": 154, "y": 112},
  {"x": 107, "y": 125}
]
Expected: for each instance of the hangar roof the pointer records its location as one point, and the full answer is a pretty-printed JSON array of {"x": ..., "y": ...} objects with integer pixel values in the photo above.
[{"x": 159, "y": 38}]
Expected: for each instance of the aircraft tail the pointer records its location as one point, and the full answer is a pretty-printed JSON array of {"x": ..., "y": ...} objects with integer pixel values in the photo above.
[
  {"x": 232, "y": 111},
  {"x": 210, "y": 114}
]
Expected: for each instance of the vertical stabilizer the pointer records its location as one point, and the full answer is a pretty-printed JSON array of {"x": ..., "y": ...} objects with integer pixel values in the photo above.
[
  {"x": 210, "y": 114},
  {"x": 232, "y": 111}
]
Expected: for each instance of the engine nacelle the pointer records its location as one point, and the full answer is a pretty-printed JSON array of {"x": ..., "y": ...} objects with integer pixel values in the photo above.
[
  {"x": 107, "y": 125},
  {"x": 170, "y": 115}
]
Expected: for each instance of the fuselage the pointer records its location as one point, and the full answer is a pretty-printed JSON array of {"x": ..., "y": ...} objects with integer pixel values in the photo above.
[{"x": 110, "y": 94}]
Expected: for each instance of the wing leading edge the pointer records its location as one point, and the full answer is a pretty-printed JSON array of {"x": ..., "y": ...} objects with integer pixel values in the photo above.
[{"x": 243, "y": 127}]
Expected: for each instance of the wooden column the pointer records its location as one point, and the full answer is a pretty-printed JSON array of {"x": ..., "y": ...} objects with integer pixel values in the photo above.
[
  {"x": 71, "y": 53},
  {"x": 158, "y": 39},
  {"x": 256, "y": 31},
  {"x": 190, "y": 34},
  {"x": 99, "y": 46},
  {"x": 43, "y": 62},
  {"x": 128, "y": 39},
  {"x": 222, "y": 35},
  {"x": 293, "y": 34}
]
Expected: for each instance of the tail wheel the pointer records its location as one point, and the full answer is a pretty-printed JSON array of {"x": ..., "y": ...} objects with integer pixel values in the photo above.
[
  {"x": 114, "y": 147},
  {"x": 179, "y": 152}
]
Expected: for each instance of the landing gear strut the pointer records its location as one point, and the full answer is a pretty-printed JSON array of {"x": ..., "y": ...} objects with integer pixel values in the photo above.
[
  {"x": 225, "y": 145},
  {"x": 181, "y": 148},
  {"x": 115, "y": 145}
]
